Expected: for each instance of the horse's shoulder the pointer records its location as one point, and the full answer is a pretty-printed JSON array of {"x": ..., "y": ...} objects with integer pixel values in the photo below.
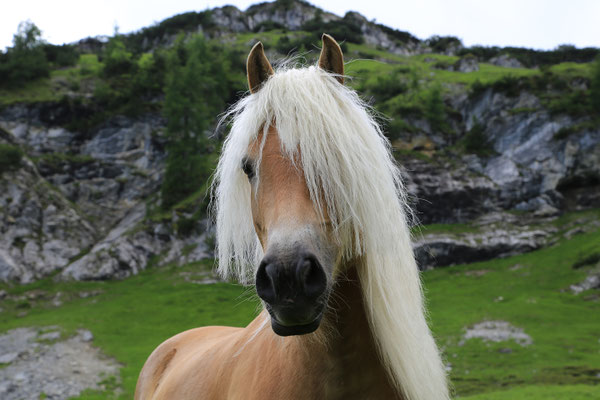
[{"x": 167, "y": 354}]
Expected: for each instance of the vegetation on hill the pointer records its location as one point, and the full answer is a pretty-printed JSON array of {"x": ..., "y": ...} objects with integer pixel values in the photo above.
[
  {"x": 10, "y": 157},
  {"x": 195, "y": 83}
]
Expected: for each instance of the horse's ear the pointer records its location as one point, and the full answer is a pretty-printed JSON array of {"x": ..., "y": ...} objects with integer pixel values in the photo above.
[
  {"x": 258, "y": 68},
  {"x": 332, "y": 59}
]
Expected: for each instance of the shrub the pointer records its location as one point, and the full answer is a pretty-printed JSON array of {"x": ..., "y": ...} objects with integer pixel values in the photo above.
[
  {"x": 531, "y": 57},
  {"x": 509, "y": 85},
  {"x": 345, "y": 30},
  {"x": 26, "y": 60},
  {"x": 300, "y": 44},
  {"x": 61, "y": 56},
  {"x": 268, "y": 26},
  {"x": 441, "y": 44},
  {"x": 10, "y": 157},
  {"x": 595, "y": 87},
  {"x": 146, "y": 38},
  {"x": 475, "y": 141},
  {"x": 397, "y": 126},
  {"x": 435, "y": 110},
  {"x": 117, "y": 60},
  {"x": 388, "y": 86}
]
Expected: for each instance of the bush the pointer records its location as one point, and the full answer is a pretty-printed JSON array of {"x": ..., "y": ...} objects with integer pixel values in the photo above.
[
  {"x": 10, "y": 157},
  {"x": 531, "y": 57},
  {"x": 117, "y": 60},
  {"x": 26, "y": 60},
  {"x": 435, "y": 109},
  {"x": 397, "y": 126},
  {"x": 344, "y": 30},
  {"x": 476, "y": 142},
  {"x": 441, "y": 44},
  {"x": 268, "y": 26},
  {"x": 301, "y": 44},
  {"x": 388, "y": 86},
  {"x": 186, "y": 22},
  {"x": 595, "y": 87},
  {"x": 187, "y": 169},
  {"x": 61, "y": 56}
]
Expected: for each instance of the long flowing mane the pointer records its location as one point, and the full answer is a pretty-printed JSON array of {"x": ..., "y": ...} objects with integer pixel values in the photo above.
[{"x": 351, "y": 174}]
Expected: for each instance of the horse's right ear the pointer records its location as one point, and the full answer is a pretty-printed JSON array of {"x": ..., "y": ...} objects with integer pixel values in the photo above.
[{"x": 258, "y": 68}]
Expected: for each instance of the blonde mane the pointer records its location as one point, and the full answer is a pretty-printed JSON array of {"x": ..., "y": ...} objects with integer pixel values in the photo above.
[{"x": 349, "y": 171}]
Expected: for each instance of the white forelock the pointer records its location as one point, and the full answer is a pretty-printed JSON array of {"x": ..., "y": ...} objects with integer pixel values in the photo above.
[{"x": 349, "y": 168}]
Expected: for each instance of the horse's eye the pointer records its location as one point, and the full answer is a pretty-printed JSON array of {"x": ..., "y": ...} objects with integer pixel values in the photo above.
[{"x": 248, "y": 167}]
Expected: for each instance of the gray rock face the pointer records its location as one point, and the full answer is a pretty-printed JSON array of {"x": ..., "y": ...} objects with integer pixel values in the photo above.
[
  {"x": 531, "y": 161},
  {"x": 504, "y": 60},
  {"x": 444, "y": 193},
  {"x": 85, "y": 214},
  {"x": 495, "y": 240},
  {"x": 128, "y": 247},
  {"x": 494, "y": 235},
  {"x": 293, "y": 16},
  {"x": 375, "y": 36},
  {"x": 39, "y": 229},
  {"x": 467, "y": 64}
]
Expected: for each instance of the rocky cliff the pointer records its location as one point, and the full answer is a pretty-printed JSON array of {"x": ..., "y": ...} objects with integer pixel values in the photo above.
[
  {"x": 84, "y": 203},
  {"x": 77, "y": 205}
]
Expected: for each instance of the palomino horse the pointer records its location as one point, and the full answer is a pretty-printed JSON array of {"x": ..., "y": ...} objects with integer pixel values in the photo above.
[{"x": 309, "y": 206}]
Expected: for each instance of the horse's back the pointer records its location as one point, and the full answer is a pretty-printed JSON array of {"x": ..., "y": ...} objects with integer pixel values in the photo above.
[{"x": 169, "y": 368}]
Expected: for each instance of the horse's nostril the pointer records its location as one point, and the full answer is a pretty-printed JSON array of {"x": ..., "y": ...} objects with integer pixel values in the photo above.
[
  {"x": 312, "y": 277},
  {"x": 265, "y": 284}
]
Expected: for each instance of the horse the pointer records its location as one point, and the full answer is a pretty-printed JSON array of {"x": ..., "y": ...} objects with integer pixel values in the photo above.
[{"x": 310, "y": 207}]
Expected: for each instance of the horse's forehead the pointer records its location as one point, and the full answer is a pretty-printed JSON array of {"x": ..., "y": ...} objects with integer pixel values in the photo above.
[{"x": 272, "y": 143}]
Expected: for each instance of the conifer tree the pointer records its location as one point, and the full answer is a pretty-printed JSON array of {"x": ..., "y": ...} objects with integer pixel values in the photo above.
[{"x": 195, "y": 88}]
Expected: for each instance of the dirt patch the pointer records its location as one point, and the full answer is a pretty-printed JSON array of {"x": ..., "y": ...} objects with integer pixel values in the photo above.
[
  {"x": 477, "y": 272},
  {"x": 496, "y": 331},
  {"x": 200, "y": 277},
  {"x": 37, "y": 363},
  {"x": 590, "y": 282}
]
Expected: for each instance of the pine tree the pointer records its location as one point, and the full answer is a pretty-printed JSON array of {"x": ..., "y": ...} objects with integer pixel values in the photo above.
[
  {"x": 195, "y": 88},
  {"x": 26, "y": 60},
  {"x": 435, "y": 110}
]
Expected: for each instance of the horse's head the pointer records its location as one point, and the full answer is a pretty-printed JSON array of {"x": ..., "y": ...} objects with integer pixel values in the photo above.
[{"x": 295, "y": 275}]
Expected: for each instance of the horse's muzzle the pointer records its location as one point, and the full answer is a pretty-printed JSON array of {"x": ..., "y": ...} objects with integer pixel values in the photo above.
[{"x": 294, "y": 290}]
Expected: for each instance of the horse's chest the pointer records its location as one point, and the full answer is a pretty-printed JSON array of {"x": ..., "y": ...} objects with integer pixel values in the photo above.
[{"x": 357, "y": 382}]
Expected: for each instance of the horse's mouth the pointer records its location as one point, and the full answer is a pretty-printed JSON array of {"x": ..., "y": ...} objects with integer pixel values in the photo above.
[
  {"x": 291, "y": 330},
  {"x": 290, "y": 326}
]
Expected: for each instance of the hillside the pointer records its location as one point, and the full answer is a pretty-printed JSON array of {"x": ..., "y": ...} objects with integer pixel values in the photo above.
[
  {"x": 500, "y": 148},
  {"x": 482, "y": 143}
]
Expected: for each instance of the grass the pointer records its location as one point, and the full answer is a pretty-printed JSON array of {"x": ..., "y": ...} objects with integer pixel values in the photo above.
[
  {"x": 131, "y": 317},
  {"x": 36, "y": 91},
  {"x": 551, "y": 392},
  {"x": 444, "y": 228},
  {"x": 533, "y": 296},
  {"x": 60, "y": 82}
]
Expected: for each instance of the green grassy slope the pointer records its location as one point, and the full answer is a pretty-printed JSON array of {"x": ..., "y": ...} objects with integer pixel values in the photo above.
[
  {"x": 131, "y": 317},
  {"x": 531, "y": 292}
]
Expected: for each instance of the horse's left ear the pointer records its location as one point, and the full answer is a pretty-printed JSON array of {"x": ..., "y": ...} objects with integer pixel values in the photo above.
[
  {"x": 331, "y": 58},
  {"x": 258, "y": 68}
]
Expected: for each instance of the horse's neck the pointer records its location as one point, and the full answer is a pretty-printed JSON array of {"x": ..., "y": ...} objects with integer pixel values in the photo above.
[{"x": 347, "y": 353}]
